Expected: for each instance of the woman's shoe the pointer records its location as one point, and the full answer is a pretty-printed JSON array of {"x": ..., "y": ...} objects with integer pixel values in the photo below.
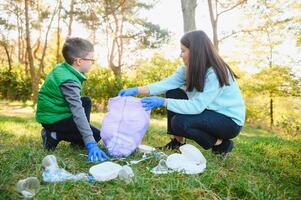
[
  {"x": 172, "y": 145},
  {"x": 224, "y": 148}
]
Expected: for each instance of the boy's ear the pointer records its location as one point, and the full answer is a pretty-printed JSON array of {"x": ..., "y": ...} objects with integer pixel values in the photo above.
[{"x": 77, "y": 61}]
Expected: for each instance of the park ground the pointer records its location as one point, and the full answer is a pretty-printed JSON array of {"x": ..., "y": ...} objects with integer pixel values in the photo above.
[{"x": 265, "y": 164}]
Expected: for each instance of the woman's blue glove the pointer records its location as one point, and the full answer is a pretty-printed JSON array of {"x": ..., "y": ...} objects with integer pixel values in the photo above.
[
  {"x": 149, "y": 103},
  {"x": 128, "y": 92},
  {"x": 94, "y": 153}
]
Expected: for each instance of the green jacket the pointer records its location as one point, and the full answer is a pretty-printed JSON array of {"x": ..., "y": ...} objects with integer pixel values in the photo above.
[{"x": 51, "y": 105}]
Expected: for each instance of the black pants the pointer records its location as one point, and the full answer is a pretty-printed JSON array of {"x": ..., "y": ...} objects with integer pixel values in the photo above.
[
  {"x": 66, "y": 129},
  {"x": 204, "y": 128}
]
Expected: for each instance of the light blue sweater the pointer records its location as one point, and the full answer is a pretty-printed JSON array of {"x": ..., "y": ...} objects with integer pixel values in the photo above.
[{"x": 226, "y": 100}]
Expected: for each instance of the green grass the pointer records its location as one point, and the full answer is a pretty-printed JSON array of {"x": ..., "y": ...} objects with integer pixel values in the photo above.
[{"x": 263, "y": 165}]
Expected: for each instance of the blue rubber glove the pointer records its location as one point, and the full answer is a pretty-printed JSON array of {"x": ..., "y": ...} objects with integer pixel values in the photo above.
[
  {"x": 128, "y": 92},
  {"x": 149, "y": 103},
  {"x": 95, "y": 153}
]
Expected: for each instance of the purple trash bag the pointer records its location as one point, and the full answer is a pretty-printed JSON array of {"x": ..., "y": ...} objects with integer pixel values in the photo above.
[{"x": 124, "y": 125}]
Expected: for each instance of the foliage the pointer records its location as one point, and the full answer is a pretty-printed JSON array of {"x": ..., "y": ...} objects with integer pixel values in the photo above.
[
  {"x": 14, "y": 85},
  {"x": 153, "y": 70},
  {"x": 102, "y": 85}
]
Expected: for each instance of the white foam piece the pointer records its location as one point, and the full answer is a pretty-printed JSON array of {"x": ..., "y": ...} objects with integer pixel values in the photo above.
[
  {"x": 190, "y": 161},
  {"x": 193, "y": 154},
  {"x": 176, "y": 161},
  {"x": 105, "y": 171},
  {"x": 190, "y": 168}
]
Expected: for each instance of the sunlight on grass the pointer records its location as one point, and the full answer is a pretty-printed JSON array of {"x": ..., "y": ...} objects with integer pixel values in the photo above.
[{"x": 263, "y": 165}]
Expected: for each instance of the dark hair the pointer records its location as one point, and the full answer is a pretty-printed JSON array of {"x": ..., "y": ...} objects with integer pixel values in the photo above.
[
  {"x": 202, "y": 55},
  {"x": 76, "y": 47}
]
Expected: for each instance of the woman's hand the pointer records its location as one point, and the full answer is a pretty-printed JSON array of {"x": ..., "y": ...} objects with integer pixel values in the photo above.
[
  {"x": 128, "y": 92},
  {"x": 149, "y": 103}
]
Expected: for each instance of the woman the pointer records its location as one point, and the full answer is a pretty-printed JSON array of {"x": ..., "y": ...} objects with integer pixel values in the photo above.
[{"x": 210, "y": 110}]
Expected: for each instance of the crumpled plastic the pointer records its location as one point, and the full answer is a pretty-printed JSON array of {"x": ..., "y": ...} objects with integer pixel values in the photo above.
[
  {"x": 146, "y": 149},
  {"x": 161, "y": 168},
  {"x": 28, "y": 187},
  {"x": 126, "y": 174},
  {"x": 53, "y": 173}
]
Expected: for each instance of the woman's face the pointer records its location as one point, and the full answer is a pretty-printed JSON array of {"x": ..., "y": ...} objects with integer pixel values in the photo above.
[{"x": 185, "y": 55}]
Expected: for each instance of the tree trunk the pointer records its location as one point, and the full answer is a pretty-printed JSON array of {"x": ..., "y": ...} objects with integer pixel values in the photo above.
[
  {"x": 271, "y": 95},
  {"x": 71, "y": 17},
  {"x": 188, "y": 10},
  {"x": 34, "y": 81},
  {"x": 58, "y": 33},
  {"x": 213, "y": 20},
  {"x": 41, "y": 67},
  {"x": 271, "y": 111},
  {"x": 215, "y": 36},
  {"x": 7, "y": 55},
  {"x": 117, "y": 43},
  {"x": 19, "y": 37},
  {"x": 215, "y": 14}
]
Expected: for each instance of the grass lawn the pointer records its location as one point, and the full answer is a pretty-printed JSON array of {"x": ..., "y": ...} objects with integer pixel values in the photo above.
[{"x": 263, "y": 165}]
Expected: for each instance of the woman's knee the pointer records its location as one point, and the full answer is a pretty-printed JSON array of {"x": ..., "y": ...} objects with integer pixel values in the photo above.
[
  {"x": 233, "y": 133},
  {"x": 176, "y": 94}
]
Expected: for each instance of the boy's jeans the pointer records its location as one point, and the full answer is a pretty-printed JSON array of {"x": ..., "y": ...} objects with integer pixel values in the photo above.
[{"x": 66, "y": 129}]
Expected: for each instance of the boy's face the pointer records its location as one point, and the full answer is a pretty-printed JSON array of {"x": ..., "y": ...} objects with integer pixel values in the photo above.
[{"x": 84, "y": 64}]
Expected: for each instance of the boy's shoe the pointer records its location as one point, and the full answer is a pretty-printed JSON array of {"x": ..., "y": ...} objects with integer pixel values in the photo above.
[
  {"x": 224, "y": 148},
  {"x": 172, "y": 145},
  {"x": 49, "y": 143}
]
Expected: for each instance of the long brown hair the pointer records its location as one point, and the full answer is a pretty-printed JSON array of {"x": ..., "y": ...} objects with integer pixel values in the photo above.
[{"x": 202, "y": 55}]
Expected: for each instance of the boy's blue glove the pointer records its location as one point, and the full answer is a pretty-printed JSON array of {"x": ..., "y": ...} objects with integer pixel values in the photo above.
[
  {"x": 128, "y": 92},
  {"x": 149, "y": 103},
  {"x": 95, "y": 153}
]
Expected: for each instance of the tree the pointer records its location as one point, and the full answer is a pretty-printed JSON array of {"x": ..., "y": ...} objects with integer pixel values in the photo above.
[
  {"x": 123, "y": 28},
  {"x": 269, "y": 25},
  {"x": 35, "y": 74},
  {"x": 188, "y": 11},
  {"x": 58, "y": 38},
  {"x": 71, "y": 13},
  {"x": 216, "y": 9},
  {"x": 6, "y": 27},
  {"x": 275, "y": 81},
  {"x": 29, "y": 52}
]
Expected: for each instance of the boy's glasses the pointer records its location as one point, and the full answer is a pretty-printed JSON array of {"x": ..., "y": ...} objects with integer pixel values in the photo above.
[{"x": 87, "y": 59}]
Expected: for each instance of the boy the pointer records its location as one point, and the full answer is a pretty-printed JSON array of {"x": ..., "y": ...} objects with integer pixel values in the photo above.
[{"x": 63, "y": 113}]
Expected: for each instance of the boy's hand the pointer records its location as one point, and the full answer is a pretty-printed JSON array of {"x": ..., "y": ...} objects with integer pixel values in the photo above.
[
  {"x": 128, "y": 92},
  {"x": 95, "y": 153},
  {"x": 149, "y": 103}
]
